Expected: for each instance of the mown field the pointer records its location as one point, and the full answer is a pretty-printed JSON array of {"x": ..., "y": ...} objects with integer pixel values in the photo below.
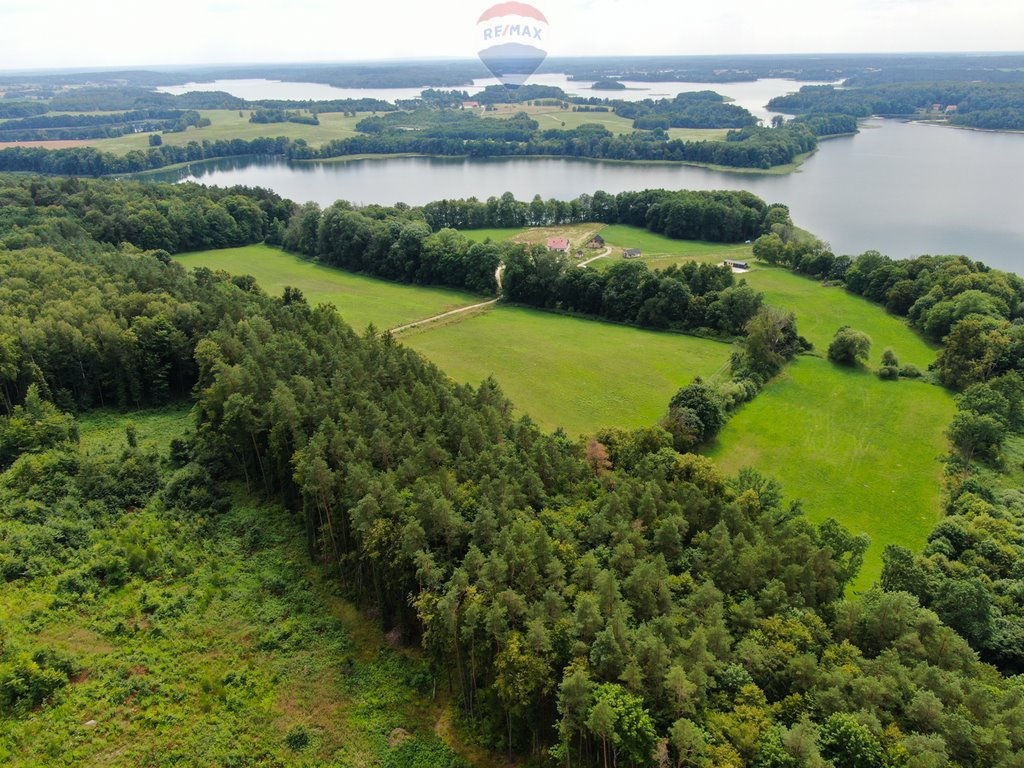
[
  {"x": 361, "y": 300},
  {"x": 851, "y": 446},
  {"x": 229, "y": 124},
  {"x": 241, "y": 651},
  {"x": 659, "y": 252},
  {"x": 568, "y": 372},
  {"x": 820, "y": 310}
]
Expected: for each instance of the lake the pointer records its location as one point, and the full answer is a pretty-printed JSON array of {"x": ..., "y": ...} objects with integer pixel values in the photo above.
[
  {"x": 753, "y": 95},
  {"x": 902, "y": 188}
]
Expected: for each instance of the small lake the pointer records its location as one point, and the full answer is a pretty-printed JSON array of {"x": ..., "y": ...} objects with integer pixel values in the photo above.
[
  {"x": 902, "y": 188},
  {"x": 753, "y": 95}
]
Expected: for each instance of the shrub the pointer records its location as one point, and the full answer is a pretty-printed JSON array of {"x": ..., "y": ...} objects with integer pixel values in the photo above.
[
  {"x": 888, "y": 372},
  {"x": 910, "y": 371},
  {"x": 849, "y": 346},
  {"x": 297, "y": 738}
]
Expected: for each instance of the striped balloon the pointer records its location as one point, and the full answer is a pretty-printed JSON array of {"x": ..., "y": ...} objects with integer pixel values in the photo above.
[{"x": 512, "y": 39}]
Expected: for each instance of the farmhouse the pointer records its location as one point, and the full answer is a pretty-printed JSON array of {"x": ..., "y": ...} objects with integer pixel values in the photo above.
[
  {"x": 631, "y": 253},
  {"x": 596, "y": 242},
  {"x": 470, "y": 104},
  {"x": 560, "y": 244}
]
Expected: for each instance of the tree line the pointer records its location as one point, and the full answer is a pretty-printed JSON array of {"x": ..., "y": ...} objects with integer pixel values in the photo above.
[
  {"x": 747, "y": 148},
  {"x": 977, "y": 104}
]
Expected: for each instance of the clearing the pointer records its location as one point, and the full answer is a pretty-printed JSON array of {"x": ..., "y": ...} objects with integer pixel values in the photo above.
[
  {"x": 570, "y": 372},
  {"x": 360, "y": 299},
  {"x": 864, "y": 451},
  {"x": 239, "y": 649}
]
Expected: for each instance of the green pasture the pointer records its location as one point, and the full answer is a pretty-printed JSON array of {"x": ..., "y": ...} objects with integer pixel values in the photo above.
[
  {"x": 864, "y": 451},
  {"x": 821, "y": 310},
  {"x": 360, "y": 299},
  {"x": 569, "y": 372}
]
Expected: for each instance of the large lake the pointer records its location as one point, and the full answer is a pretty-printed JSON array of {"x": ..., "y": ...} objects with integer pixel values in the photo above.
[
  {"x": 901, "y": 188},
  {"x": 753, "y": 95}
]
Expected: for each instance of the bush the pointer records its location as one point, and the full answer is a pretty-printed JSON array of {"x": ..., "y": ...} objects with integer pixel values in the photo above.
[
  {"x": 910, "y": 371},
  {"x": 888, "y": 372},
  {"x": 849, "y": 346},
  {"x": 297, "y": 738},
  {"x": 26, "y": 681}
]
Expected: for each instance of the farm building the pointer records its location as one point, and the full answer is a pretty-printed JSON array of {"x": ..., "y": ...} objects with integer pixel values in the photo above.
[
  {"x": 631, "y": 253},
  {"x": 560, "y": 244},
  {"x": 596, "y": 242},
  {"x": 736, "y": 265},
  {"x": 470, "y": 104}
]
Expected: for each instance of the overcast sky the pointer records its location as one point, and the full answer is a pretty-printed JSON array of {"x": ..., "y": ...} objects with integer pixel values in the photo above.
[{"x": 73, "y": 33}]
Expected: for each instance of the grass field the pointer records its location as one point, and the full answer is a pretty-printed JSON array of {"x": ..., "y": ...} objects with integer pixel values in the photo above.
[
  {"x": 497, "y": 234},
  {"x": 227, "y": 124},
  {"x": 361, "y": 300},
  {"x": 820, "y": 310},
  {"x": 864, "y": 451},
  {"x": 568, "y": 372},
  {"x": 698, "y": 134},
  {"x": 659, "y": 252}
]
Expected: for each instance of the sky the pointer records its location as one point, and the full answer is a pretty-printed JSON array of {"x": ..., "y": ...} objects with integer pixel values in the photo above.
[{"x": 73, "y": 33}]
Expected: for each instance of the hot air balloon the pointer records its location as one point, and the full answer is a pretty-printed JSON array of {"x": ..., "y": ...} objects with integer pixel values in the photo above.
[{"x": 512, "y": 38}]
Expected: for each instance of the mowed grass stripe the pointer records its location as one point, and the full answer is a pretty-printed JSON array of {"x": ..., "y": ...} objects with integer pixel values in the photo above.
[
  {"x": 569, "y": 372},
  {"x": 360, "y": 299},
  {"x": 851, "y": 446}
]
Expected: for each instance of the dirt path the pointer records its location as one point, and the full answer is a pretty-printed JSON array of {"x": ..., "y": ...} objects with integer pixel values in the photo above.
[
  {"x": 443, "y": 315},
  {"x": 601, "y": 255}
]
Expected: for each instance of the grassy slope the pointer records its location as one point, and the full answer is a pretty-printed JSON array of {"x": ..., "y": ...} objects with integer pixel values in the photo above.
[
  {"x": 853, "y": 447},
  {"x": 568, "y": 372},
  {"x": 820, "y": 310},
  {"x": 360, "y": 299},
  {"x": 841, "y": 440},
  {"x": 217, "y": 664}
]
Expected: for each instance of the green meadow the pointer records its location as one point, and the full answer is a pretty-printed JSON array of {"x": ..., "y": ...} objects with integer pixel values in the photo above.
[
  {"x": 659, "y": 252},
  {"x": 820, "y": 310},
  {"x": 853, "y": 447},
  {"x": 360, "y": 299},
  {"x": 229, "y": 124},
  {"x": 569, "y": 372},
  {"x": 497, "y": 234}
]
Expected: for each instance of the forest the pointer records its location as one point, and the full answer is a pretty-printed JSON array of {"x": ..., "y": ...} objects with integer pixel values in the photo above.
[
  {"x": 761, "y": 148},
  {"x": 599, "y": 602},
  {"x": 994, "y": 106}
]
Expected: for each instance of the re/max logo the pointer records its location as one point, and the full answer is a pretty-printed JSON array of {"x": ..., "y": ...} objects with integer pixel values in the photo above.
[{"x": 509, "y": 30}]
